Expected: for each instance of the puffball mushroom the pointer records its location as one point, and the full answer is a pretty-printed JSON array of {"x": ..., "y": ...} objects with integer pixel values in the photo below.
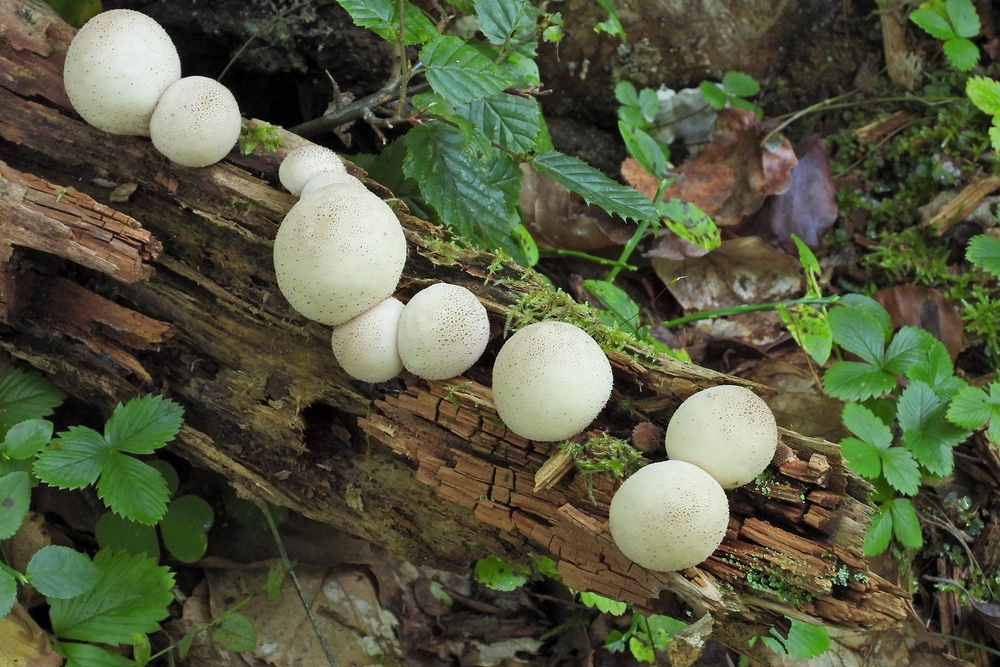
[
  {"x": 302, "y": 164},
  {"x": 338, "y": 253},
  {"x": 330, "y": 178},
  {"x": 669, "y": 516},
  {"x": 196, "y": 122},
  {"x": 117, "y": 67},
  {"x": 726, "y": 430},
  {"x": 550, "y": 380},
  {"x": 366, "y": 346},
  {"x": 443, "y": 331}
]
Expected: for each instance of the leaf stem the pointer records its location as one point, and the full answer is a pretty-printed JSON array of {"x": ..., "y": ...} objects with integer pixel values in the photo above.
[
  {"x": 748, "y": 308},
  {"x": 640, "y": 231},
  {"x": 590, "y": 258}
]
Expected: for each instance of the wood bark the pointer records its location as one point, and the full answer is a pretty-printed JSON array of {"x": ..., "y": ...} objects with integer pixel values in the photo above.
[{"x": 171, "y": 290}]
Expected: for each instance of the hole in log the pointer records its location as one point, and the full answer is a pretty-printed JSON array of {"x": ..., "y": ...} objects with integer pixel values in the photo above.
[{"x": 328, "y": 431}]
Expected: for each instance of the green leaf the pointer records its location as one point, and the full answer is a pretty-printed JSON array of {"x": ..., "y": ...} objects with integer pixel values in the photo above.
[
  {"x": 141, "y": 649},
  {"x": 962, "y": 53},
  {"x": 862, "y": 457},
  {"x": 863, "y": 423},
  {"x": 606, "y": 605},
  {"x": 907, "y": 348},
  {"x": 854, "y": 381},
  {"x": 962, "y": 15},
  {"x": 716, "y": 98},
  {"x": 382, "y": 18},
  {"x": 984, "y": 252},
  {"x": 169, "y": 474},
  {"x": 459, "y": 73},
  {"x": 626, "y": 93},
  {"x": 508, "y": 21},
  {"x": 857, "y": 331},
  {"x": 119, "y": 534},
  {"x": 235, "y": 632},
  {"x": 972, "y": 407},
  {"x": 130, "y": 596},
  {"x": 474, "y": 197},
  {"x": 649, "y": 104},
  {"x": 577, "y": 176},
  {"x": 15, "y": 498},
  {"x": 61, "y": 572},
  {"x": 985, "y": 94},
  {"x": 613, "y": 26},
  {"x": 689, "y": 222},
  {"x": 639, "y": 646},
  {"x": 25, "y": 395},
  {"x": 933, "y": 23},
  {"x": 88, "y": 655},
  {"x": 662, "y": 629},
  {"x": 76, "y": 12},
  {"x": 133, "y": 489},
  {"x": 926, "y": 432},
  {"x": 901, "y": 470},
  {"x": 870, "y": 306},
  {"x": 905, "y": 524},
  {"x": 498, "y": 575},
  {"x": 185, "y": 528},
  {"x": 810, "y": 328},
  {"x": 25, "y": 439},
  {"x": 645, "y": 149},
  {"x": 994, "y": 133},
  {"x": 144, "y": 424},
  {"x": 810, "y": 266},
  {"x": 740, "y": 84},
  {"x": 933, "y": 367},
  {"x": 623, "y": 311},
  {"x": 8, "y": 594},
  {"x": 804, "y": 640},
  {"x": 508, "y": 120},
  {"x": 879, "y": 534},
  {"x": 74, "y": 459}
]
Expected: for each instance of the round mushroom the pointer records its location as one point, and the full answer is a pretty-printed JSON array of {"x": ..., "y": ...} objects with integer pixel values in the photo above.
[
  {"x": 330, "y": 178},
  {"x": 117, "y": 67},
  {"x": 338, "y": 253},
  {"x": 196, "y": 123},
  {"x": 669, "y": 516},
  {"x": 443, "y": 331},
  {"x": 366, "y": 346},
  {"x": 550, "y": 380},
  {"x": 302, "y": 164},
  {"x": 727, "y": 431}
]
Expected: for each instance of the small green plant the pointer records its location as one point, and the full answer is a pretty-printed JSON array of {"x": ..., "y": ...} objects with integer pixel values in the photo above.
[
  {"x": 645, "y": 634},
  {"x": 263, "y": 134},
  {"x": 803, "y": 641},
  {"x": 953, "y": 22},
  {"x": 733, "y": 91}
]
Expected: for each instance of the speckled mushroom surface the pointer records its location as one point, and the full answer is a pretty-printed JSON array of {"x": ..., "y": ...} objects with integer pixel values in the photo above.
[
  {"x": 305, "y": 163},
  {"x": 338, "y": 253},
  {"x": 366, "y": 346},
  {"x": 117, "y": 67},
  {"x": 727, "y": 431},
  {"x": 443, "y": 331},
  {"x": 669, "y": 516},
  {"x": 550, "y": 380},
  {"x": 196, "y": 122}
]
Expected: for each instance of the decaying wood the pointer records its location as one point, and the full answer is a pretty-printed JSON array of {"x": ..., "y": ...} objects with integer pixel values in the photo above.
[{"x": 173, "y": 291}]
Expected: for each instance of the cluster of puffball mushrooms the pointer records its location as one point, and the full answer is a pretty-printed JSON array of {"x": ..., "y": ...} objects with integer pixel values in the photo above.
[{"x": 338, "y": 257}]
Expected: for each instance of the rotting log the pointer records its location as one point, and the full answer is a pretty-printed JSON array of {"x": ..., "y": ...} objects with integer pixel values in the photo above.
[{"x": 172, "y": 290}]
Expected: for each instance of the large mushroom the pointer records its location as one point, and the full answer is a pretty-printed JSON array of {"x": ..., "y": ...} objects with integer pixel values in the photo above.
[
  {"x": 196, "y": 122},
  {"x": 442, "y": 332}
]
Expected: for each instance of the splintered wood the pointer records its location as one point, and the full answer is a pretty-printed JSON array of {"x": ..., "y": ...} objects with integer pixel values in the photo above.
[{"x": 794, "y": 539}]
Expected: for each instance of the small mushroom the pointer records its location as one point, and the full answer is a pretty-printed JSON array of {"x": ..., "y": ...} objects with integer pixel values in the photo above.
[
  {"x": 196, "y": 122},
  {"x": 669, "y": 516},
  {"x": 330, "y": 178},
  {"x": 302, "y": 164},
  {"x": 366, "y": 346},
  {"x": 550, "y": 380},
  {"x": 727, "y": 431},
  {"x": 443, "y": 331},
  {"x": 117, "y": 67},
  {"x": 338, "y": 253}
]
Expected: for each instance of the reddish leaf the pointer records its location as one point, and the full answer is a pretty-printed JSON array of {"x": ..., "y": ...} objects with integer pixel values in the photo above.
[{"x": 924, "y": 307}]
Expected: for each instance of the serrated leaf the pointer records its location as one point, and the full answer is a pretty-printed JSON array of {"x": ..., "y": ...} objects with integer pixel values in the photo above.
[
  {"x": 88, "y": 655},
  {"x": 498, "y": 575},
  {"x": 972, "y": 408},
  {"x": 74, "y": 459},
  {"x": 459, "y": 73},
  {"x": 476, "y": 199},
  {"x": 25, "y": 439},
  {"x": 639, "y": 646},
  {"x": 855, "y": 381},
  {"x": 235, "y": 632},
  {"x": 963, "y": 17},
  {"x": 508, "y": 120},
  {"x": 61, "y": 572},
  {"x": 662, "y": 629},
  {"x": 185, "y": 528},
  {"x": 144, "y": 424},
  {"x": 994, "y": 133},
  {"x": 932, "y": 22},
  {"x": 689, "y": 222},
  {"x": 962, "y": 53},
  {"x": 872, "y": 307},
  {"x": 130, "y": 596},
  {"x": 879, "y": 534},
  {"x": 714, "y": 95},
  {"x": 577, "y": 176},
  {"x": 508, "y": 21},
  {"x": 606, "y": 605},
  {"x": 985, "y": 94},
  {"x": 862, "y": 457},
  {"x": 857, "y": 331},
  {"x": 906, "y": 349},
  {"x": 806, "y": 640},
  {"x": 133, "y": 489},
  {"x": 905, "y": 524},
  {"x": 738, "y": 83},
  {"x": 645, "y": 149},
  {"x": 984, "y": 252},
  {"x": 15, "y": 499},
  {"x": 649, "y": 104},
  {"x": 863, "y": 423},
  {"x": 810, "y": 328},
  {"x": 926, "y": 432},
  {"x": 119, "y": 534},
  {"x": 901, "y": 470},
  {"x": 613, "y": 26},
  {"x": 8, "y": 594},
  {"x": 382, "y": 18},
  {"x": 626, "y": 93},
  {"x": 934, "y": 368},
  {"x": 25, "y": 395}
]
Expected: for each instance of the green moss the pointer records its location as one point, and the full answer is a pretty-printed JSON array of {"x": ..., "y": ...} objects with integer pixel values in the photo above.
[{"x": 603, "y": 456}]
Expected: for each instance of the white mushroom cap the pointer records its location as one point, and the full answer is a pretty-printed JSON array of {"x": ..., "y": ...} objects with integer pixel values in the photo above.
[
  {"x": 366, "y": 348},
  {"x": 443, "y": 331},
  {"x": 727, "y": 431},
  {"x": 328, "y": 178},
  {"x": 302, "y": 164},
  {"x": 550, "y": 380},
  {"x": 338, "y": 253},
  {"x": 669, "y": 516},
  {"x": 117, "y": 66},
  {"x": 196, "y": 123}
]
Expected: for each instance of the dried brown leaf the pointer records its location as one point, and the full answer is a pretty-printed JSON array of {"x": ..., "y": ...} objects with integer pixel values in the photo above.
[{"x": 924, "y": 307}]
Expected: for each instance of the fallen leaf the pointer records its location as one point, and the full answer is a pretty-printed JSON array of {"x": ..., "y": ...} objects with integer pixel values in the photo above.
[
  {"x": 924, "y": 307},
  {"x": 23, "y": 643}
]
